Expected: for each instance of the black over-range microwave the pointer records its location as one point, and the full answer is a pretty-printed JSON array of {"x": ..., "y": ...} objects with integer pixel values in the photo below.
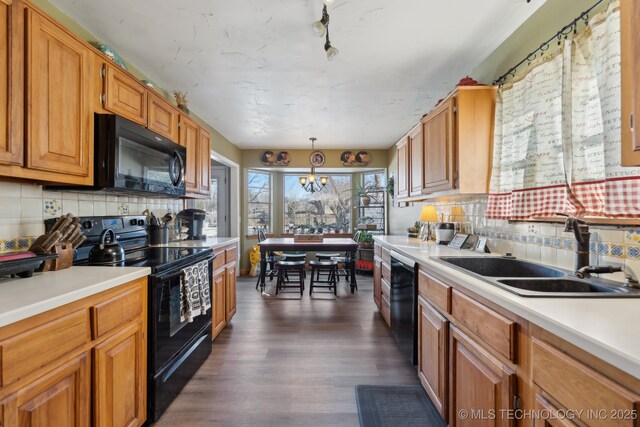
[{"x": 131, "y": 158}]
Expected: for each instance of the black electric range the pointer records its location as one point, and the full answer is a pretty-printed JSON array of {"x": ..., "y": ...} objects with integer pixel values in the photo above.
[{"x": 176, "y": 347}]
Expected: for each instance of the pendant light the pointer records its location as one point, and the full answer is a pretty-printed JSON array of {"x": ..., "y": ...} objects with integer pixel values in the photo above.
[
  {"x": 321, "y": 29},
  {"x": 311, "y": 182}
]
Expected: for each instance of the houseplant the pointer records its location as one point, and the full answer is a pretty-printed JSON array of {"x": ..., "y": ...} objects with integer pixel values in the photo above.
[
  {"x": 363, "y": 193},
  {"x": 414, "y": 230},
  {"x": 366, "y": 240}
]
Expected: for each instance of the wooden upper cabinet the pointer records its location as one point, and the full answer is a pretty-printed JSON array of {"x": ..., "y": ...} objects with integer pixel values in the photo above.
[
  {"x": 478, "y": 381},
  {"x": 416, "y": 150},
  {"x": 439, "y": 150},
  {"x": 204, "y": 160},
  {"x": 402, "y": 178},
  {"x": 189, "y": 140},
  {"x": 11, "y": 82},
  {"x": 630, "y": 41},
  {"x": 433, "y": 364},
  {"x": 163, "y": 117},
  {"x": 124, "y": 95},
  {"x": 59, "y": 117}
]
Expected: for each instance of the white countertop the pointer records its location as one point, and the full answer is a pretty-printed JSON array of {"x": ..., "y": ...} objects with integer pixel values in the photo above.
[
  {"x": 21, "y": 298},
  {"x": 211, "y": 242},
  {"x": 608, "y": 328}
]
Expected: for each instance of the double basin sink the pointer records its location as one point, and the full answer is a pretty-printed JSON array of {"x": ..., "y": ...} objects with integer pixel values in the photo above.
[{"x": 531, "y": 279}]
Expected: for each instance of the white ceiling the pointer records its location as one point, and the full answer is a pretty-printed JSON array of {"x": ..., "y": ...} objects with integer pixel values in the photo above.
[{"x": 256, "y": 72}]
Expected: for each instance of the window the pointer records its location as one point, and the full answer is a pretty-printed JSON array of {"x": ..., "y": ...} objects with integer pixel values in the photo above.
[
  {"x": 329, "y": 209},
  {"x": 259, "y": 202}
]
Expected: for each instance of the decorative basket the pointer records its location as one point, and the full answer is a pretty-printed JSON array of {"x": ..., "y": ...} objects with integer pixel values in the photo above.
[{"x": 308, "y": 237}]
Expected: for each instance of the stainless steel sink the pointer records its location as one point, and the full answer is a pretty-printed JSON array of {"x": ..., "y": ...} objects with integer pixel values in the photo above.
[
  {"x": 563, "y": 285},
  {"x": 530, "y": 279},
  {"x": 503, "y": 267}
]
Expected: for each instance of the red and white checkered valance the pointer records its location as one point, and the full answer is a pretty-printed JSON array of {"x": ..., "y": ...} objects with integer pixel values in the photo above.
[{"x": 558, "y": 133}]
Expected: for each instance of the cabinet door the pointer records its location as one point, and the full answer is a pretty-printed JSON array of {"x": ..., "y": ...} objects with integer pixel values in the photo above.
[
  {"x": 548, "y": 415},
  {"x": 124, "y": 95},
  {"x": 219, "y": 303},
  {"x": 630, "y": 42},
  {"x": 163, "y": 118},
  {"x": 120, "y": 379},
  {"x": 439, "y": 148},
  {"x": 59, "y": 398},
  {"x": 11, "y": 82},
  {"x": 478, "y": 382},
  {"x": 189, "y": 140},
  {"x": 416, "y": 147},
  {"x": 377, "y": 281},
  {"x": 433, "y": 365},
  {"x": 59, "y": 116},
  {"x": 230, "y": 293},
  {"x": 204, "y": 159},
  {"x": 403, "y": 169}
]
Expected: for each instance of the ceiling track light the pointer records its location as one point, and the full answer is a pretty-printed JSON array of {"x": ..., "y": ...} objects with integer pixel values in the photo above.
[{"x": 321, "y": 29}]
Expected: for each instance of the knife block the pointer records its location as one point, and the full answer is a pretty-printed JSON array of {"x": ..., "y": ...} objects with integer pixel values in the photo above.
[{"x": 65, "y": 253}]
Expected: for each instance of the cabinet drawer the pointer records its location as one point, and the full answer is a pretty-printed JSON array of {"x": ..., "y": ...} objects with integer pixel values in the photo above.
[
  {"x": 377, "y": 250},
  {"x": 116, "y": 311},
  {"x": 219, "y": 260},
  {"x": 386, "y": 255},
  {"x": 433, "y": 290},
  {"x": 577, "y": 387},
  {"x": 230, "y": 255},
  {"x": 495, "y": 330},
  {"x": 125, "y": 96},
  {"x": 386, "y": 271},
  {"x": 385, "y": 309},
  {"x": 44, "y": 344},
  {"x": 385, "y": 288}
]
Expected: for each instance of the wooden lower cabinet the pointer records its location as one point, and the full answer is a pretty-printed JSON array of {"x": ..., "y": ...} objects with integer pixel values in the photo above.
[
  {"x": 433, "y": 332},
  {"x": 550, "y": 415},
  {"x": 479, "y": 383},
  {"x": 377, "y": 281},
  {"x": 59, "y": 398},
  {"x": 230, "y": 292},
  {"x": 119, "y": 377},
  {"x": 77, "y": 381},
  {"x": 218, "y": 303}
]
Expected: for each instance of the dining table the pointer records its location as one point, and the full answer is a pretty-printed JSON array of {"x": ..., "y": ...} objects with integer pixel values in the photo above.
[{"x": 290, "y": 245}]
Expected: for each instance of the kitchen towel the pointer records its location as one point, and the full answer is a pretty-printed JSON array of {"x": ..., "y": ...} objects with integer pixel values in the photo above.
[{"x": 195, "y": 298}]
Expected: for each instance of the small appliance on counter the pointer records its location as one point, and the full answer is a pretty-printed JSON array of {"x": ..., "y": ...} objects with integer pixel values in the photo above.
[
  {"x": 445, "y": 232},
  {"x": 193, "y": 219}
]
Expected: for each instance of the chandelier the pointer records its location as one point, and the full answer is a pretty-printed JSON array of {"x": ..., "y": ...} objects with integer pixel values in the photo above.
[
  {"x": 321, "y": 28},
  {"x": 311, "y": 182}
]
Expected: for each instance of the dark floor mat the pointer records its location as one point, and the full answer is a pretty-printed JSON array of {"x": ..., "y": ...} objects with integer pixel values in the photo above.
[{"x": 396, "y": 406}]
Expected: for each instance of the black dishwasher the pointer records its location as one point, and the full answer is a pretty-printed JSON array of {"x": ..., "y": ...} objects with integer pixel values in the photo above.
[{"x": 404, "y": 306}]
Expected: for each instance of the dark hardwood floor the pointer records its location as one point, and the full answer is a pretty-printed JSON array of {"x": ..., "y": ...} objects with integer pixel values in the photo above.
[{"x": 287, "y": 361}]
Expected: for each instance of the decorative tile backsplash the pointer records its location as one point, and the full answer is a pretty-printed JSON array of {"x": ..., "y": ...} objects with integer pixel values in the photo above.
[
  {"x": 24, "y": 207},
  {"x": 547, "y": 243}
]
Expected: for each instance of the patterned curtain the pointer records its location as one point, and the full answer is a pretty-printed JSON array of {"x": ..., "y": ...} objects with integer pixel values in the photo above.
[{"x": 557, "y": 133}]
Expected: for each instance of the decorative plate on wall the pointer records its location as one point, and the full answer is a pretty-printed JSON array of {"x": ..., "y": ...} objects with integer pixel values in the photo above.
[
  {"x": 317, "y": 158},
  {"x": 349, "y": 158},
  {"x": 269, "y": 158}
]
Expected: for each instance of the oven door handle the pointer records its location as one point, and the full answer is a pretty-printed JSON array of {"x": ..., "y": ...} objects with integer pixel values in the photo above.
[{"x": 171, "y": 275}]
